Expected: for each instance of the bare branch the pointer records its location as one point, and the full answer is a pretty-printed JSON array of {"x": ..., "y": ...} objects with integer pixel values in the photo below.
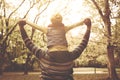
[
  {"x": 107, "y": 9},
  {"x": 15, "y": 10},
  {"x": 4, "y": 9},
  {"x": 10, "y": 32},
  {"x": 32, "y": 5},
  {"x": 98, "y": 8},
  {"x": 37, "y": 17},
  {"x": 7, "y": 22}
]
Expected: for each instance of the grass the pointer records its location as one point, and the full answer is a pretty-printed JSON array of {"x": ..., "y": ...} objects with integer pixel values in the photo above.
[{"x": 15, "y": 76}]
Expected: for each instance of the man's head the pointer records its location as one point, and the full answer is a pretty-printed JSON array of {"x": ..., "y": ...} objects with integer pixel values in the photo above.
[{"x": 56, "y": 19}]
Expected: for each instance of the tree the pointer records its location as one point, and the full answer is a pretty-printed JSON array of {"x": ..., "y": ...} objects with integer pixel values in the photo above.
[
  {"x": 8, "y": 20},
  {"x": 105, "y": 15},
  {"x": 6, "y": 29}
]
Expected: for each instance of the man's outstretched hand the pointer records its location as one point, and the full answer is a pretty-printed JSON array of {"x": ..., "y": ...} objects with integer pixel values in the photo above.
[
  {"x": 22, "y": 22},
  {"x": 87, "y": 21}
]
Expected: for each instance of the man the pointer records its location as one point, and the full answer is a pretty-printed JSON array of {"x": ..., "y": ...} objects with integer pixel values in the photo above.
[{"x": 56, "y": 65}]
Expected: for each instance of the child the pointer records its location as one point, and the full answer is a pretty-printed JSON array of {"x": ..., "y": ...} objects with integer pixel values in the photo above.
[{"x": 55, "y": 32}]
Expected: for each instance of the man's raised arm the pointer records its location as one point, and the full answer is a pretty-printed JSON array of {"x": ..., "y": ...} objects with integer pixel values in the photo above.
[
  {"x": 78, "y": 51},
  {"x": 29, "y": 44}
]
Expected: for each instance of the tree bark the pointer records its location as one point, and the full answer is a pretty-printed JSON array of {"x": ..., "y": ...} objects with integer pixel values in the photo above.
[
  {"x": 1, "y": 67},
  {"x": 111, "y": 63},
  {"x": 2, "y": 51},
  {"x": 1, "y": 64}
]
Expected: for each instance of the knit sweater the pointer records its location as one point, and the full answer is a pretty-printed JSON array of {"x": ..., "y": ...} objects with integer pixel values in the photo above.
[
  {"x": 56, "y": 35},
  {"x": 56, "y": 65}
]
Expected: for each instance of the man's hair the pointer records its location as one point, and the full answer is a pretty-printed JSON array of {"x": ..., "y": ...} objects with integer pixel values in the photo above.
[{"x": 56, "y": 18}]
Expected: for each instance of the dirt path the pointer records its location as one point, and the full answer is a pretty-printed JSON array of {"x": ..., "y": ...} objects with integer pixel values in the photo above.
[{"x": 79, "y": 74}]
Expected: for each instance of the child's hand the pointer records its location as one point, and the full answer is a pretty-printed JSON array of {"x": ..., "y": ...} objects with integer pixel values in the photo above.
[
  {"x": 87, "y": 21},
  {"x": 22, "y": 22}
]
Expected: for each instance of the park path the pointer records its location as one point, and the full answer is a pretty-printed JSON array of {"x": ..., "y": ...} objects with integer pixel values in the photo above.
[
  {"x": 76, "y": 71},
  {"x": 79, "y": 74},
  {"x": 90, "y": 70}
]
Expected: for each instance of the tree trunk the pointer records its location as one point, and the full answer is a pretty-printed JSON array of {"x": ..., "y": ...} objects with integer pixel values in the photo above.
[
  {"x": 111, "y": 64},
  {"x": 1, "y": 71},
  {"x": 1, "y": 64},
  {"x": 110, "y": 51},
  {"x": 27, "y": 64},
  {"x": 110, "y": 48},
  {"x": 2, "y": 59}
]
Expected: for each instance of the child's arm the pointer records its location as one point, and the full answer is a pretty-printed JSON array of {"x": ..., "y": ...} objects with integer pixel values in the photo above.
[
  {"x": 35, "y": 26},
  {"x": 73, "y": 26}
]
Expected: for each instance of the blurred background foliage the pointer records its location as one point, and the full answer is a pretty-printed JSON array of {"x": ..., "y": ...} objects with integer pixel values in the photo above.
[{"x": 14, "y": 55}]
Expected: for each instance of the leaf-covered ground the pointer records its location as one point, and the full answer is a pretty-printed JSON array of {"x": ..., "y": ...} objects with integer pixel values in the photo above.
[{"x": 34, "y": 76}]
